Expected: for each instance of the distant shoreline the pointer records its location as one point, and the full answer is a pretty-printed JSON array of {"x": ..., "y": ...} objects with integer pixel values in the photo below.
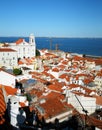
[
  {"x": 51, "y": 37},
  {"x": 88, "y": 46}
]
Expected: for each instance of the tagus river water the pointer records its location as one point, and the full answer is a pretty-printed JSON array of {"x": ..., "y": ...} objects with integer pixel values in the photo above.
[{"x": 88, "y": 46}]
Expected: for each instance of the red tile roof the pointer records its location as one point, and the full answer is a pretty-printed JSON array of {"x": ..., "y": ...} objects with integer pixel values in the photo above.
[
  {"x": 77, "y": 58},
  {"x": 99, "y": 100},
  {"x": 90, "y": 120},
  {"x": 48, "y": 74},
  {"x": 63, "y": 76},
  {"x": 53, "y": 95},
  {"x": 97, "y": 123},
  {"x": 61, "y": 67},
  {"x": 2, "y": 107},
  {"x": 73, "y": 86},
  {"x": 19, "y": 41},
  {"x": 7, "y": 50},
  {"x": 55, "y": 69},
  {"x": 55, "y": 87},
  {"x": 22, "y": 104},
  {"x": 20, "y": 62},
  {"x": 53, "y": 107},
  {"x": 87, "y": 81},
  {"x": 10, "y": 90},
  {"x": 36, "y": 92},
  {"x": 98, "y": 61},
  {"x": 46, "y": 68},
  {"x": 65, "y": 62},
  {"x": 99, "y": 73}
]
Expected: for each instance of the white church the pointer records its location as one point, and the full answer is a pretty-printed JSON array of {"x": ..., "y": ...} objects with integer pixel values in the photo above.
[
  {"x": 23, "y": 48},
  {"x": 11, "y": 52}
]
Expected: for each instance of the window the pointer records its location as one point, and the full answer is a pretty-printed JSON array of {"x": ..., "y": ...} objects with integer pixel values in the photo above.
[
  {"x": 23, "y": 49},
  {"x": 19, "y": 51}
]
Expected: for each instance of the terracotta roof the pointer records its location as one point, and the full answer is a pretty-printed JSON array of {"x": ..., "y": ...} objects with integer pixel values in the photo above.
[
  {"x": 7, "y": 50},
  {"x": 2, "y": 107},
  {"x": 90, "y": 120},
  {"x": 50, "y": 54},
  {"x": 55, "y": 87},
  {"x": 55, "y": 69},
  {"x": 20, "y": 62},
  {"x": 99, "y": 73},
  {"x": 19, "y": 41},
  {"x": 98, "y": 61},
  {"x": 53, "y": 107},
  {"x": 46, "y": 68},
  {"x": 73, "y": 86},
  {"x": 53, "y": 95},
  {"x": 99, "y": 100},
  {"x": 77, "y": 58},
  {"x": 65, "y": 62},
  {"x": 35, "y": 73},
  {"x": 29, "y": 60},
  {"x": 39, "y": 79},
  {"x": 87, "y": 90},
  {"x": 89, "y": 59},
  {"x": 82, "y": 75},
  {"x": 10, "y": 90},
  {"x": 87, "y": 81},
  {"x": 65, "y": 75},
  {"x": 48, "y": 74},
  {"x": 36, "y": 92},
  {"x": 61, "y": 67},
  {"x": 22, "y": 104}
]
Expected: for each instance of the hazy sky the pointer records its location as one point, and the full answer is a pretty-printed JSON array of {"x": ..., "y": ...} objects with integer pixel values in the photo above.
[{"x": 59, "y": 18}]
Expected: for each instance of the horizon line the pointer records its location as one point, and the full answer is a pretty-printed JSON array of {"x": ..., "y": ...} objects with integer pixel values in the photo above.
[{"x": 53, "y": 36}]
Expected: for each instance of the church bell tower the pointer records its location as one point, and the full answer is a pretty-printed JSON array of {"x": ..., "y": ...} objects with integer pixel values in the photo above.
[{"x": 32, "y": 39}]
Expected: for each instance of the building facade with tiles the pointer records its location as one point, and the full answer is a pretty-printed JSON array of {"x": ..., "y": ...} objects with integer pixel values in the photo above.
[{"x": 8, "y": 57}]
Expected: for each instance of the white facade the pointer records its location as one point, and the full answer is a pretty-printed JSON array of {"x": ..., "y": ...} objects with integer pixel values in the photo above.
[
  {"x": 7, "y": 79},
  {"x": 61, "y": 117},
  {"x": 90, "y": 64},
  {"x": 8, "y": 57},
  {"x": 88, "y": 103},
  {"x": 16, "y": 116},
  {"x": 98, "y": 81},
  {"x": 23, "y": 48},
  {"x": 56, "y": 74}
]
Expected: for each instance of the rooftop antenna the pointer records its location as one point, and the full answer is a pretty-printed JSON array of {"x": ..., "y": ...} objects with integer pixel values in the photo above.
[
  {"x": 57, "y": 47},
  {"x": 51, "y": 44},
  {"x": 85, "y": 111}
]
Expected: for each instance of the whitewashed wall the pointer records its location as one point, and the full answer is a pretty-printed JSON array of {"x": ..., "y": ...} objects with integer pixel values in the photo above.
[{"x": 7, "y": 79}]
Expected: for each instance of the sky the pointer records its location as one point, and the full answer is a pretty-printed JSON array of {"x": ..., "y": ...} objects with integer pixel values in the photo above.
[{"x": 51, "y": 18}]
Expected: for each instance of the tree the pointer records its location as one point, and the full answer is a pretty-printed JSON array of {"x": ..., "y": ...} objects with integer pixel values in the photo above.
[
  {"x": 17, "y": 71},
  {"x": 37, "y": 53}
]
